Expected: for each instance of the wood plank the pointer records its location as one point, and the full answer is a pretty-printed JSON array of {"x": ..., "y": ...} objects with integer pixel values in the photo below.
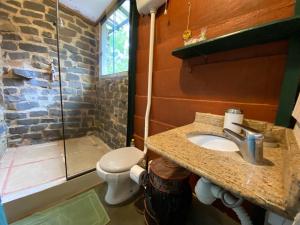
[
  {"x": 155, "y": 126},
  {"x": 177, "y": 107},
  {"x": 178, "y": 112},
  {"x": 214, "y": 15},
  {"x": 273, "y": 31},
  {"x": 139, "y": 143},
  {"x": 256, "y": 80}
]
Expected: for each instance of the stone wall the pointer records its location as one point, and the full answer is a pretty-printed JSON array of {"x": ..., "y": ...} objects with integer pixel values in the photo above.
[
  {"x": 31, "y": 92},
  {"x": 3, "y": 128},
  {"x": 112, "y": 92}
]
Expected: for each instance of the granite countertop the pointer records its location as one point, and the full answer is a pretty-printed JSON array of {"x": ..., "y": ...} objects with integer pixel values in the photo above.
[{"x": 273, "y": 185}]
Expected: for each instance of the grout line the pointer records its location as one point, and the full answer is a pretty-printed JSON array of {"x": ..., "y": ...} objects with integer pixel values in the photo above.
[
  {"x": 33, "y": 162},
  {"x": 34, "y": 186},
  {"x": 8, "y": 174},
  {"x": 184, "y": 99}
]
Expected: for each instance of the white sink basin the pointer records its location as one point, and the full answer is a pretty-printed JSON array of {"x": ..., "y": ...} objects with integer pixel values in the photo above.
[{"x": 213, "y": 142}]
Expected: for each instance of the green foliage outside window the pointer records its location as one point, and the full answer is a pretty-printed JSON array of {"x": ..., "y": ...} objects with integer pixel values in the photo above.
[{"x": 115, "y": 41}]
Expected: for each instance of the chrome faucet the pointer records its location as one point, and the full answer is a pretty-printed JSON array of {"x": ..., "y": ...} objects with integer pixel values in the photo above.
[{"x": 250, "y": 145}]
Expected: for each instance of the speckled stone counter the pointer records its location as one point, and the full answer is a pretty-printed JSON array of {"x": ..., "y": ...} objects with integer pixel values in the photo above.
[{"x": 273, "y": 185}]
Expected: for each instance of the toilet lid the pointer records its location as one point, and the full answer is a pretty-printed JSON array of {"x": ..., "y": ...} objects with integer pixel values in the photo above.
[{"x": 121, "y": 159}]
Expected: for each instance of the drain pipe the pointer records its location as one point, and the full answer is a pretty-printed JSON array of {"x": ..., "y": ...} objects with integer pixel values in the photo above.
[
  {"x": 150, "y": 77},
  {"x": 208, "y": 192}
]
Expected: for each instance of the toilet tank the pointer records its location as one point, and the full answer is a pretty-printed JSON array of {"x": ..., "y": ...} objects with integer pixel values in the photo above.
[{"x": 145, "y": 6}]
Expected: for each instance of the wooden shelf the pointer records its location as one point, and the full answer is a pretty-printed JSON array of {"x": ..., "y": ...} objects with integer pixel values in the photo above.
[{"x": 277, "y": 30}]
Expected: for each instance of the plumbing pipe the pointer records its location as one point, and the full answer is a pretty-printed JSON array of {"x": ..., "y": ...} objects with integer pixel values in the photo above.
[
  {"x": 208, "y": 192},
  {"x": 243, "y": 216},
  {"x": 150, "y": 76}
]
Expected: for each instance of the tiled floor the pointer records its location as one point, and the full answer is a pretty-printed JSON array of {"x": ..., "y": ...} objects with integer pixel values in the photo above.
[
  {"x": 30, "y": 169},
  {"x": 84, "y": 153}
]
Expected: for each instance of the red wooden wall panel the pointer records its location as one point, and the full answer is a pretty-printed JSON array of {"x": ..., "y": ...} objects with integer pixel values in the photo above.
[{"x": 248, "y": 78}]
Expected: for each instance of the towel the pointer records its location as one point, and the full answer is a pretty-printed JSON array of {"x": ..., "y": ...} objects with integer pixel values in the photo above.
[
  {"x": 296, "y": 112},
  {"x": 297, "y": 219}
]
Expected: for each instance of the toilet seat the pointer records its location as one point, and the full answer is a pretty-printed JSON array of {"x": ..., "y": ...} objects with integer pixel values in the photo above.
[{"x": 121, "y": 160}]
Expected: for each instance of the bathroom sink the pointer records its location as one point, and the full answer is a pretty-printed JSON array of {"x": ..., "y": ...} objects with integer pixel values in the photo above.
[{"x": 213, "y": 142}]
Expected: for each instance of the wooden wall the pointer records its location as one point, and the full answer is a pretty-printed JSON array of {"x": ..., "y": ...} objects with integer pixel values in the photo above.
[{"x": 248, "y": 78}]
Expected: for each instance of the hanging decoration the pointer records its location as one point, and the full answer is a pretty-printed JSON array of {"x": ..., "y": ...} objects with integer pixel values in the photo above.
[{"x": 187, "y": 34}]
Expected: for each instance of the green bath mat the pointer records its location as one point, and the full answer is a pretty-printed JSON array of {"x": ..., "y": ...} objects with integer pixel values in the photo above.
[{"x": 85, "y": 209}]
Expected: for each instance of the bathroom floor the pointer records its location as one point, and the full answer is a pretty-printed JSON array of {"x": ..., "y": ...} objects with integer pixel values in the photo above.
[
  {"x": 127, "y": 214},
  {"x": 29, "y": 169}
]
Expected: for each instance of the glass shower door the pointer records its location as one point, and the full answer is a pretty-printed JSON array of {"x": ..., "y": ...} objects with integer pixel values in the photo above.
[
  {"x": 94, "y": 105},
  {"x": 78, "y": 42},
  {"x": 30, "y": 113}
]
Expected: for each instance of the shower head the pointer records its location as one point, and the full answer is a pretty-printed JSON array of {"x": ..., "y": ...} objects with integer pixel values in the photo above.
[{"x": 147, "y": 6}]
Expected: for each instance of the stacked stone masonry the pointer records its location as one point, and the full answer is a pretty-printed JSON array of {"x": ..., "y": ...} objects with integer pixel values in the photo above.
[
  {"x": 112, "y": 92},
  {"x": 3, "y": 128},
  {"x": 31, "y": 96}
]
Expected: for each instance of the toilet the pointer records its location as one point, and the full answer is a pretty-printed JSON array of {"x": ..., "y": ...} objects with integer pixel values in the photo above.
[{"x": 114, "y": 168}]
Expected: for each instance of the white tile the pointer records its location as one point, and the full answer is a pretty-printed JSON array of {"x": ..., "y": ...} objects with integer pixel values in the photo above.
[
  {"x": 48, "y": 144},
  {"x": 37, "y": 153},
  {"x": 34, "y": 174},
  {"x": 3, "y": 175},
  {"x": 38, "y": 167},
  {"x": 30, "y": 191},
  {"x": 81, "y": 161},
  {"x": 83, "y": 153},
  {"x": 7, "y": 158}
]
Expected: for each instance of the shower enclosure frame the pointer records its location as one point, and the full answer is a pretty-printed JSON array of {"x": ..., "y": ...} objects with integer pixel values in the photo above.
[
  {"x": 133, "y": 39},
  {"x": 134, "y": 19},
  {"x": 60, "y": 86}
]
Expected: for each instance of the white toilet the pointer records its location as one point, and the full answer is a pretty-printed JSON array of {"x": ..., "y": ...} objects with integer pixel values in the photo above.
[{"x": 114, "y": 168}]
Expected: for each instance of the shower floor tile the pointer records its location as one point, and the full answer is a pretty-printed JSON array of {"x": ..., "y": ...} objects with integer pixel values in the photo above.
[
  {"x": 34, "y": 154},
  {"x": 34, "y": 174},
  {"x": 84, "y": 153},
  {"x": 29, "y": 169},
  {"x": 7, "y": 159},
  {"x": 3, "y": 176}
]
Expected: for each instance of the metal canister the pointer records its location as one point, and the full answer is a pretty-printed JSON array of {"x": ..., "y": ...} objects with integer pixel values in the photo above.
[{"x": 233, "y": 115}]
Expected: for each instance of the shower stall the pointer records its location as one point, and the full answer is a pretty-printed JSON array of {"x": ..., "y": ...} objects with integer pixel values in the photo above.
[{"x": 59, "y": 113}]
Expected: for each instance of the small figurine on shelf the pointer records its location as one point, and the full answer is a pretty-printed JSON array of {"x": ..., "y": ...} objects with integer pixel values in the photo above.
[{"x": 201, "y": 37}]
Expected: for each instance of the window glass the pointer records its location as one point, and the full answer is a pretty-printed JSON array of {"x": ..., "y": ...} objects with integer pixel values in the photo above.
[{"x": 115, "y": 41}]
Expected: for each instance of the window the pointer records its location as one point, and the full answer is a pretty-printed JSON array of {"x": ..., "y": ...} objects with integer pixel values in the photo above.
[{"x": 115, "y": 41}]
